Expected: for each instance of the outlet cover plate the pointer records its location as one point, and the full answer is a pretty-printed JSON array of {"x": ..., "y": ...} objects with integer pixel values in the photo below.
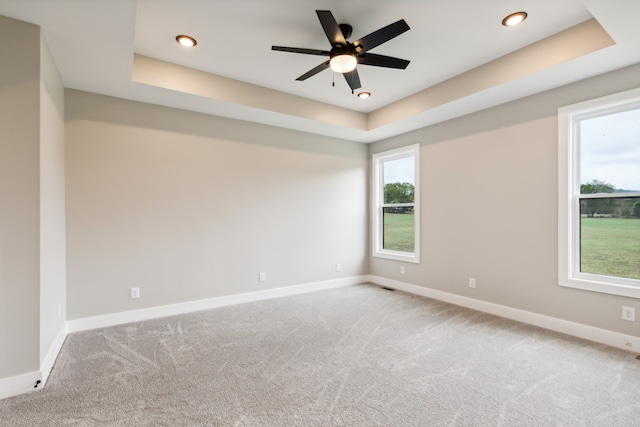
[{"x": 629, "y": 313}]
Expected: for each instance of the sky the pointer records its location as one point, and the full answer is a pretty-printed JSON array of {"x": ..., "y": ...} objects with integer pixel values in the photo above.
[
  {"x": 610, "y": 150},
  {"x": 399, "y": 170}
]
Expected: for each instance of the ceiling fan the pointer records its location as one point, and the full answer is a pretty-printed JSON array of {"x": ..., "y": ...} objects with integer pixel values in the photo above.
[{"x": 345, "y": 55}]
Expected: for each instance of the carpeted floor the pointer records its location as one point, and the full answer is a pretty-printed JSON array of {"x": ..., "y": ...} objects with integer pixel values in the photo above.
[{"x": 354, "y": 356}]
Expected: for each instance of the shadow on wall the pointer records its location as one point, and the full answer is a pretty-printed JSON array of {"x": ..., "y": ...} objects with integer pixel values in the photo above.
[{"x": 81, "y": 105}]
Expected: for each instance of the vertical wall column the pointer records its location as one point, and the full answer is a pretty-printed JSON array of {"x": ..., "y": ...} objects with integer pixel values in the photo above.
[
  {"x": 32, "y": 208},
  {"x": 19, "y": 197}
]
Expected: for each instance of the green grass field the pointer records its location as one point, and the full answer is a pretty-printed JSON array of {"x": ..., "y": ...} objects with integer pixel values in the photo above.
[
  {"x": 398, "y": 232},
  {"x": 610, "y": 246}
]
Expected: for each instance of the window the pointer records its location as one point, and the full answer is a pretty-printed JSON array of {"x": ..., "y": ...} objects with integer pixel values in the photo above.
[
  {"x": 599, "y": 195},
  {"x": 396, "y": 204}
]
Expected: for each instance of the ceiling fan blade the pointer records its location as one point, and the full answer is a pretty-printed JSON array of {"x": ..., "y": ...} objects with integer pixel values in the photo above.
[
  {"x": 314, "y": 71},
  {"x": 331, "y": 28},
  {"x": 353, "y": 79},
  {"x": 382, "y": 61},
  {"x": 301, "y": 50},
  {"x": 382, "y": 35}
]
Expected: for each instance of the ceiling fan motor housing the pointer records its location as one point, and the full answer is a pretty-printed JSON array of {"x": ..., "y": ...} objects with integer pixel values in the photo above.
[{"x": 346, "y": 29}]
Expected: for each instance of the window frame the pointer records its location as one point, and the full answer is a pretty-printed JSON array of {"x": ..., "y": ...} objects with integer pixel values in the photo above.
[
  {"x": 569, "y": 197},
  {"x": 378, "y": 204}
]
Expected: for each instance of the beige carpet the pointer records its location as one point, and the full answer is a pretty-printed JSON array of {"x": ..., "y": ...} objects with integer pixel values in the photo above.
[{"x": 355, "y": 356}]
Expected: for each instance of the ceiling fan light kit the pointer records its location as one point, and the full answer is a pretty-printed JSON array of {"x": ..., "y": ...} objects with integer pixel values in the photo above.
[
  {"x": 343, "y": 63},
  {"x": 344, "y": 56}
]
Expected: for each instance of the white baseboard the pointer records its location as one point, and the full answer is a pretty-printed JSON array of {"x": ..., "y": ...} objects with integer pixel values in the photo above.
[
  {"x": 19, "y": 384},
  {"x": 106, "y": 320},
  {"x": 602, "y": 336},
  {"x": 52, "y": 355},
  {"x": 26, "y": 383}
]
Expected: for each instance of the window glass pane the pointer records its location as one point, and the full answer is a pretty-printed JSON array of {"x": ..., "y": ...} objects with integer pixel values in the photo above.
[
  {"x": 399, "y": 229},
  {"x": 610, "y": 237},
  {"x": 395, "y": 193},
  {"x": 610, "y": 153},
  {"x": 399, "y": 180}
]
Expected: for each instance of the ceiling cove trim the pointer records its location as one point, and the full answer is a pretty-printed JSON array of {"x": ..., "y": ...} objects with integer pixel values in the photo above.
[
  {"x": 572, "y": 43},
  {"x": 154, "y": 72}
]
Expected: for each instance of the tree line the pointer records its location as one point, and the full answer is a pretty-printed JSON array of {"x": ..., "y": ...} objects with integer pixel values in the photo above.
[
  {"x": 404, "y": 192},
  {"x": 614, "y": 207},
  {"x": 399, "y": 192}
]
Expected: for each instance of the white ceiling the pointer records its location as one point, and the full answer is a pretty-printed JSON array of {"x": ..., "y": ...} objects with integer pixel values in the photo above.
[{"x": 94, "y": 42}]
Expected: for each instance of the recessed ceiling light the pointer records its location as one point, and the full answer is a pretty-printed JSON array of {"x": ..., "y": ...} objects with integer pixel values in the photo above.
[
  {"x": 514, "y": 19},
  {"x": 364, "y": 95},
  {"x": 186, "y": 41}
]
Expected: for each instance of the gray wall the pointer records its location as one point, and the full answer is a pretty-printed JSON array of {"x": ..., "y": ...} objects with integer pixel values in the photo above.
[
  {"x": 19, "y": 197},
  {"x": 188, "y": 206},
  {"x": 489, "y": 207},
  {"x": 32, "y": 214}
]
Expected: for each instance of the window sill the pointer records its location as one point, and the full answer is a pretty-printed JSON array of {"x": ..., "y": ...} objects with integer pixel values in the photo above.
[
  {"x": 398, "y": 256},
  {"x": 596, "y": 283}
]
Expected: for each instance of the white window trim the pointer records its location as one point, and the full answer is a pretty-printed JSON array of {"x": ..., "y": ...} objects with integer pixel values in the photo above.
[
  {"x": 378, "y": 198},
  {"x": 569, "y": 274}
]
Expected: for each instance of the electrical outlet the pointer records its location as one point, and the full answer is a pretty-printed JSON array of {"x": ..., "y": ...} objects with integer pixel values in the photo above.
[
  {"x": 338, "y": 267},
  {"x": 59, "y": 311},
  {"x": 135, "y": 293},
  {"x": 629, "y": 313},
  {"x": 472, "y": 282},
  {"x": 402, "y": 269},
  {"x": 262, "y": 277}
]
